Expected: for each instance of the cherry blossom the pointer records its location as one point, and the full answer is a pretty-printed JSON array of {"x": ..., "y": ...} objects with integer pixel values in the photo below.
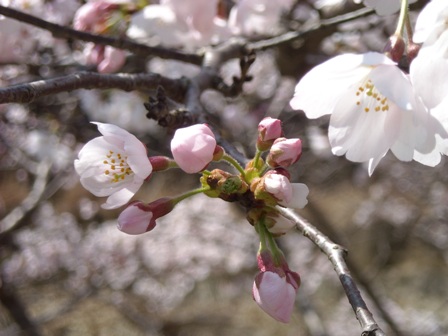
[
  {"x": 270, "y": 129},
  {"x": 275, "y": 287},
  {"x": 431, "y": 22},
  {"x": 193, "y": 147},
  {"x": 115, "y": 165},
  {"x": 139, "y": 217},
  {"x": 373, "y": 108},
  {"x": 284, "y": 152},
  {"x": 292, "y": 195}
]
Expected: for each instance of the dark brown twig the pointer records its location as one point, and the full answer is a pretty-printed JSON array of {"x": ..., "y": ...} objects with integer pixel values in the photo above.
[
  {"x": 26, "y": 93},
  {"x": 59, "y": 31}
]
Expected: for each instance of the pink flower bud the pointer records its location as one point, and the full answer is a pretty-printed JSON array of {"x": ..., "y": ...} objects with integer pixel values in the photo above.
[
  {"x": 284, "y": 152},
  {"x": 278, "y": 186},
  {"x": 140, "y": 217},
  {"x": 269, "y": 129},
  {"x": 193, "y": 147},
  {"x": 275, "y": 287},
  {"x": 159, "y": 163}
]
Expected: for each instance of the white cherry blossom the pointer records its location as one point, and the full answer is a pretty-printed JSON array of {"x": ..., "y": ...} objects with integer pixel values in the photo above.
[
  {"x": 431, "y": 22},
  {"x": 115, "y": 165},
  {"x": 373, "y": 108}
]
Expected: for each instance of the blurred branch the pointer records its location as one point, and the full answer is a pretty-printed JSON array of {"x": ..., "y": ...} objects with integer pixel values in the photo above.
[
  {"x": 322, "y": 24},
  {"x": 26, "y": 93},
  {"x": 336, "y": 254},
  {"x": 41, "y": 191},
  {"x": 59, "y": 31},
  {"x": 11, "y": 301}
]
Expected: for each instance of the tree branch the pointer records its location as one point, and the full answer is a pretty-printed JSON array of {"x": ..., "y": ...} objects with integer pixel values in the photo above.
[
  {"x": 322, "y": 24},
  {"x": 26, "y": 93},
  {"x": 336, "y": 255},
  {"x": 59, "y": 31}
]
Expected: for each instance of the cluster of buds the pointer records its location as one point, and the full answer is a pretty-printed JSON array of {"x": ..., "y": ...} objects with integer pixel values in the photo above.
[{"x": 116, "y": 165}]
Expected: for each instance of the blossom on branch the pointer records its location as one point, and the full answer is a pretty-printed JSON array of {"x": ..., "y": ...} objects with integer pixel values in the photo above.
[
  {"x": 139, "y": 217},
  {"x": 193, "y": 147},
  {"x": 284, "y": 152},
  {"x": 275, "y": 287},
  {"x": 373, "y": 108},
  {"x": 269, "y": 129},
  {"x": 115, "y": 165}
]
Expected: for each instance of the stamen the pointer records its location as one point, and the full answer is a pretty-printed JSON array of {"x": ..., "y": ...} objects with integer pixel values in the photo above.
[
  {"x": 369, "y": 99},
  {"x": 117, "y": 167}
]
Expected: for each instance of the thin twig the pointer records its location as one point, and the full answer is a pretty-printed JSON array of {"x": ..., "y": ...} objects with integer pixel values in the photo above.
[
  {"x": 59, "y": 31},
  {"x": 336, "y": 255},
  {"x": 291, "y": 36},
  {"x": 26, "y": 93}
]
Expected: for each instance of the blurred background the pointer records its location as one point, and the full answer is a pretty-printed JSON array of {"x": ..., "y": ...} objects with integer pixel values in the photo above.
[{"x": 65, "y": 268}]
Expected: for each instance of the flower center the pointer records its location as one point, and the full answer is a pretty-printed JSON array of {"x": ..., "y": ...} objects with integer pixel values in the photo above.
[
  {"x": 117, "y": 167},
  {"x": 369, "y": 99}
]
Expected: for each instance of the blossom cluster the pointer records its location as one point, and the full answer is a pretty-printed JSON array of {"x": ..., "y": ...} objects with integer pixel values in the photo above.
[
  {"x": 375, "y": 106},
  {"x": 116, "y": 165}
]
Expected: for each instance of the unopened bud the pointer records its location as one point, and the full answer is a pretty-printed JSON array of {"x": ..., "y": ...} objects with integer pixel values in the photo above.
[
  {"x": 395, "y": 48},
  {"x": 139, "y": 217},
  {"x": 284, "y": 152},
  {"x": 269, "y": 129}
]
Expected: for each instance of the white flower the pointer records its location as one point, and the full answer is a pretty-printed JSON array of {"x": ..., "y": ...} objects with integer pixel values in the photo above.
[
  {"x": 431, "y": 22},
  {"x": 115, "y": 165},
  {"x": 428, "y": 71},
  {"x": 373, "y": 109}
]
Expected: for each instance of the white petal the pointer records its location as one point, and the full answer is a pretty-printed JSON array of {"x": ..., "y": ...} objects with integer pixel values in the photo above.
[
  {"x": 428, "y": 72},
  {"x": 362, "y": 135},
  {"x": 393, "y": 84},
  {"x": 299, "y": 199},
  {"x": 320, "y": 89},
  {"x": 122, "y": 196}
]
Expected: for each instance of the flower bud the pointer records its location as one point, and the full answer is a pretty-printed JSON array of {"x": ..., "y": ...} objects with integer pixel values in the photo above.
[
  {"x": 395, "y": 48},
  {"x": 269, "y": 129},
  {"x": 193, "y": 147},
  {"x": 275, "y": 287},
  {"x": 160, "y": 163},
  {"x": 139, "y": 217},
  {"x": 284, "y": 152}
]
